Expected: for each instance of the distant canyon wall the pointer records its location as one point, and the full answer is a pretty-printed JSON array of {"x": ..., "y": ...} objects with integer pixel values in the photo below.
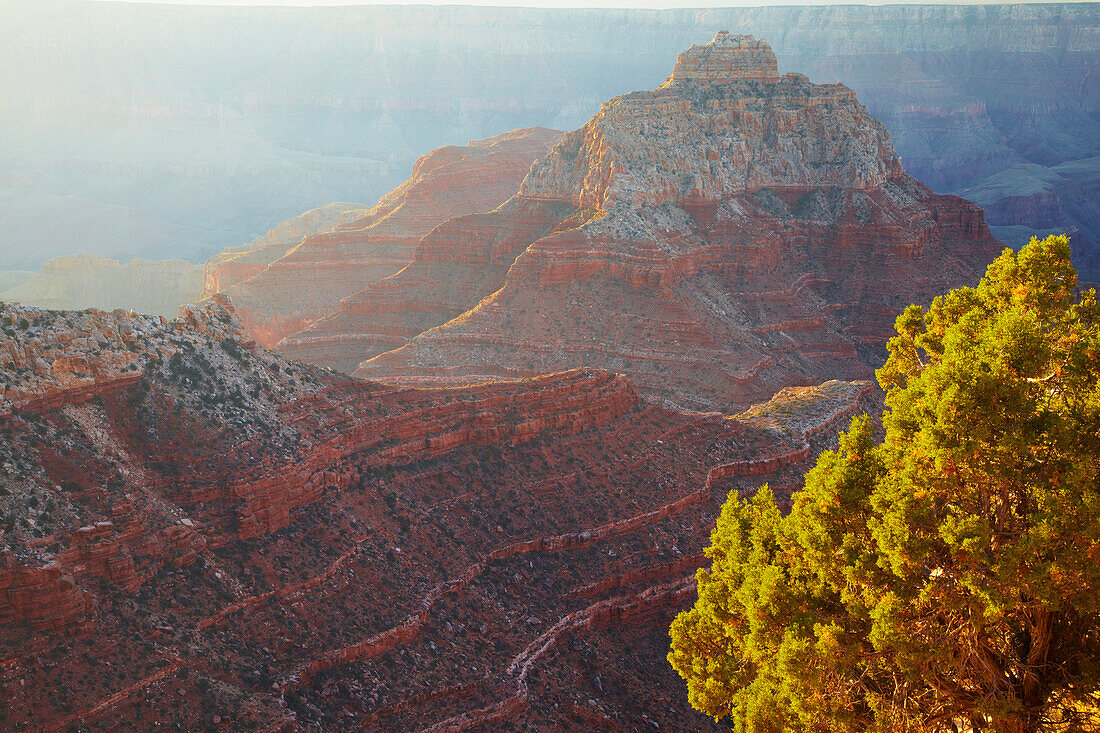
[
  {"x": 198, "y": 128},
  {"x": 88, "y": 281}
]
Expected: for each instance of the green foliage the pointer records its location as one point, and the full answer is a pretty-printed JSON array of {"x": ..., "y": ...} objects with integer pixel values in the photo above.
[{"x": 946, "y": 578}]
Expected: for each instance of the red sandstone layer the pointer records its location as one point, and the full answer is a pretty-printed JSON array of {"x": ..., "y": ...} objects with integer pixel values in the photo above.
[{"x": 281, "y": 295}]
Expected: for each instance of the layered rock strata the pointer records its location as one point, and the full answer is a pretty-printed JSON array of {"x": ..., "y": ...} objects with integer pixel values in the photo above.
[
  {"x": 233, "y": 540},
  {"x": 725, "y": 235},
  {"x": 457, "y": 265},
  {"x": 290, "y": 287}
]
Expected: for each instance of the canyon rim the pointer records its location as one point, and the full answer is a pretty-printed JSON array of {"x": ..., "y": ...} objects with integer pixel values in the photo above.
[{"x": 452, "y": 461}]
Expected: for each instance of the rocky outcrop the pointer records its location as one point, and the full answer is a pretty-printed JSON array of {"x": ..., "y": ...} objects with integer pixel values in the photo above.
[
  {"x": 348, "y": 249},
  {"x": 723, "y": 236},
  {"x": 86, "y": 281},
  {"x": 728, "y": 57},
  {"x": 51, "y": 358},
  {"x": 240, "y": 539},
  {"x": 44, "y": 595}
]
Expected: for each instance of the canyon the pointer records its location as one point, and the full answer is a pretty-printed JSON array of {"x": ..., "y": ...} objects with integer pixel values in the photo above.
[
  {"x": 567, "y": 352},
  {"x": 200, "y": 534},
  {"x": 1030, "y": 200},
  {"x": 249, "y": 116},
  {"x": 726, "y": 235}
]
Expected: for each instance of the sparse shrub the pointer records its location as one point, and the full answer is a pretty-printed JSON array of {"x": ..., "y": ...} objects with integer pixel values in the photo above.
[{"x": 233, "y": 348}]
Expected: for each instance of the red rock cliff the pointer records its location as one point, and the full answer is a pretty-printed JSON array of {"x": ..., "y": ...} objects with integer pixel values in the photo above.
[
  {"x": 279, "y": 288},
  {"x": 723, "y": 236}
]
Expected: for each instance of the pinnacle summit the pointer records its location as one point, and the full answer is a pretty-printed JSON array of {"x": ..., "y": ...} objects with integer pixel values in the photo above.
[{"x": 728, "y": 58}]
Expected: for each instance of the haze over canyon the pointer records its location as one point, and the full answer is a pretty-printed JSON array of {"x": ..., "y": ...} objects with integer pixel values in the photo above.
[{"x": 568, "y": 350}]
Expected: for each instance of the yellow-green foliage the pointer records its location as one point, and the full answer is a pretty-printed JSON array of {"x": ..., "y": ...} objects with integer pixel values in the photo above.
[{"x": 946, "y": 578}]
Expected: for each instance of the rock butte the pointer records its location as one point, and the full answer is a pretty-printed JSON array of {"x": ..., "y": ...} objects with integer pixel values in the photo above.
[
  {"x": 725, "y": 235},
  {"x": 201, "y": 528},
  {"x": 280, "y": 285}
]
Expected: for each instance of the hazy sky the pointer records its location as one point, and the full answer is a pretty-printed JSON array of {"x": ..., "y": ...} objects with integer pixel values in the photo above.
[{"x": 575, "y": 3}]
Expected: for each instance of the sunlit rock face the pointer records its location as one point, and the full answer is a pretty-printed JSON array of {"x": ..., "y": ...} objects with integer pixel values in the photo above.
[
  {"x": 281, "y": 286},
  {"x": 730, "y": 233},
  {"x": 198, "y": 533},
  {"x": 726, "y": 58},
  {"x": 724, "y": 124}
]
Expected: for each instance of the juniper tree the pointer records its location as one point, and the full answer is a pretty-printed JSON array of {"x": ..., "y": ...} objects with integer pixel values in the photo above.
[{"x": 940, "y": 572}]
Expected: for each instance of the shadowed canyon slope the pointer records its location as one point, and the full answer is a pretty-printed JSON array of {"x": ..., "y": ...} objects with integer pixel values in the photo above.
[
  {"x": 279, "y": 289},
  {"x": 1029, "y": 200},
  {"x": 214, "y": 123},
  {"x": 200, "y": 534},
  {"x": 83, "y": 281},
  {"x": 723, "y": 236}
]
